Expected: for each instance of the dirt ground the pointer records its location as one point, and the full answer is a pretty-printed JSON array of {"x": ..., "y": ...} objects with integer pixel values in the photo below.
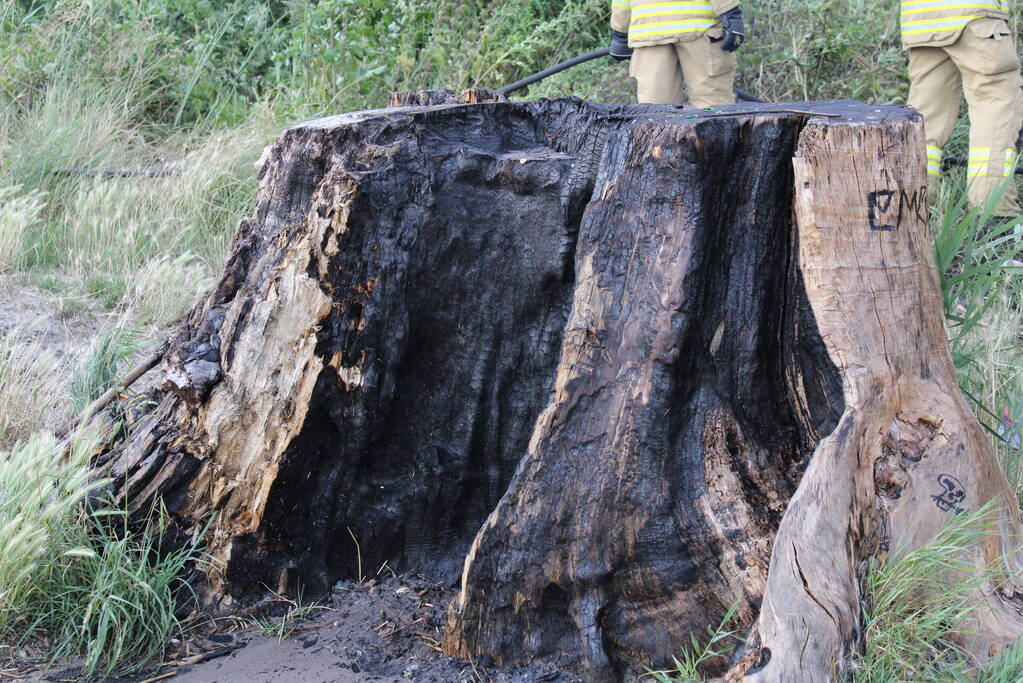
[
  {"x": 59, "y": 325},
  {"x": 385, "y": 632}
]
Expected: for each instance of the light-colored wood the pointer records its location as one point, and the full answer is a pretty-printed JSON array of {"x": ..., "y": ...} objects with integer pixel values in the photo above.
[{"x": 908, "y": 453}]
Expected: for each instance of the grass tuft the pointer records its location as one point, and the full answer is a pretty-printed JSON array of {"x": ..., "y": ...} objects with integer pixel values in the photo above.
[
  {"x": 31, "y": 392},
  {"x": 103, "y": 366},
  {"x": 111, "y": 594},
  {"x": 20, "y": 213},
  {"x": 40, "y": 493},
  {"x": 920, "y": 605},
  {"x": 719, "y": 643},
  {"x": 74, "y": 574},
  {"x": 294, "y": 611}
]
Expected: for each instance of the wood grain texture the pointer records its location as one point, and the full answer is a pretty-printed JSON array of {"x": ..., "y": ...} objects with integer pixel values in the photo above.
[
  {"x": 907, "y": 453},
  {"x": 679, "y": 425},
  {"x": 617, "y": 368}
]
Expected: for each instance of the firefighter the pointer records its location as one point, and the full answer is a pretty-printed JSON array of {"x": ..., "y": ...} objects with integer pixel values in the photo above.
[
  {"x": 959, "y": 47},
  {"x": 691, "y": 42}
]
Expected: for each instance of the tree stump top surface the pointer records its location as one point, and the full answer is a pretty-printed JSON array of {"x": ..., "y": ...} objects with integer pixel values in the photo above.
[{"x": 837, "y": 112}]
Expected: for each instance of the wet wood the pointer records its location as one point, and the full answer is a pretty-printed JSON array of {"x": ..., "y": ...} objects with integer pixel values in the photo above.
[{"x": 583, "y": 360}]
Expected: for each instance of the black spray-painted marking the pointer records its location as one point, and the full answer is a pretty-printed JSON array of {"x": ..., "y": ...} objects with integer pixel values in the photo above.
[
  {"x": 887, "y": 208},
  {"x": 951, "y": 495}
]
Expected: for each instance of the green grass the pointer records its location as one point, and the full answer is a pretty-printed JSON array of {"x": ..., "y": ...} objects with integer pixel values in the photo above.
[
  {"x": 31, "y": 394},
  {"x": 718, "y": 645},
  {"x": 104, "y": 364},
  {"x": 73, "y": 574},
  {"x": 200, "y": 88},
  {"x": 920, "y": 604},
  {"x": 111, "y": 598},
  {"x": 283, "y": 625},
  {"x": 39, "y": 496}
]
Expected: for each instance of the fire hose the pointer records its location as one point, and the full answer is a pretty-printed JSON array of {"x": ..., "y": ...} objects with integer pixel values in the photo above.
[
  {"x": 740, "y": 94},
  {"x": 595, "y": 54}
]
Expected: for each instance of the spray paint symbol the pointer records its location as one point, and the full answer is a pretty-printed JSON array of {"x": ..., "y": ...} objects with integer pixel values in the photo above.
[{"x": 951, "y": 495}]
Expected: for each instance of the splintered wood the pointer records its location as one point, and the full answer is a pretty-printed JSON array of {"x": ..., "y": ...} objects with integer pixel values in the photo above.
[{"x": 580, "y": 358}]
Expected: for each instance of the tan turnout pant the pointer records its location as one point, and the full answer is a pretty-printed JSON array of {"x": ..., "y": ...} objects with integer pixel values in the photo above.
[
  {"x": 983, "y": 65},
  {"x": 703, "y": 67}
]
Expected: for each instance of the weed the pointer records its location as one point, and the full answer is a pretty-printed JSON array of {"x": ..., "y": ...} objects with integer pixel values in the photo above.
[
  {"x": 720, "y": 642},
  {"x": 76, "y": 574},
  {"x": 20, "y": 212},
  {"x": 39, "y": 497},
  {"x": 111, "y": 597},
  {"x": 72, "y": 306},
  {"x": 102, "y": 366},
  {"x": 31, "y": 394},
  {"x": 50, "y": 282},
  {"x": 281, "y": 627},
  {"x": 921, "y": 604}
]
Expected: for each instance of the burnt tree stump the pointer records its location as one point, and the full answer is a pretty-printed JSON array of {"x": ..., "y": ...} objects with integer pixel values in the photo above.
[{"x": 615, "y": 367}]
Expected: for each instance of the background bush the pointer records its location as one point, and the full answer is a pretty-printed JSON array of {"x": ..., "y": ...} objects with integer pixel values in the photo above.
[{"x": 196, "y": 89}]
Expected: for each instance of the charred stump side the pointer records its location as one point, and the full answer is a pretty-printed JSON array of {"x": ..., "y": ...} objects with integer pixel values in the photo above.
[{"x": 618, "y": 368}]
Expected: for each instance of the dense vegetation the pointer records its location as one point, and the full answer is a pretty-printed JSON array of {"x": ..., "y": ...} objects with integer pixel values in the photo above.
[{"x": 198, "y": 88}]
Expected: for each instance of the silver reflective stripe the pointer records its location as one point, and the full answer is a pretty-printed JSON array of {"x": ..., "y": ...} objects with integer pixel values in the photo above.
[
  {"x": 978, "y": 162},
  {"x": 933, "y": 160}
]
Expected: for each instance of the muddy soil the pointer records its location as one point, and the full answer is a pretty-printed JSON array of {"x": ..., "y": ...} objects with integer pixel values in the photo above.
[{"x": 386, "y": 632}]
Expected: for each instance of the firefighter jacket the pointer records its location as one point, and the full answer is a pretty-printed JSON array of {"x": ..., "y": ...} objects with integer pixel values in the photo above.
[
  {"x": 656, "y": 22},
  {"x": 938, "y": 23}
]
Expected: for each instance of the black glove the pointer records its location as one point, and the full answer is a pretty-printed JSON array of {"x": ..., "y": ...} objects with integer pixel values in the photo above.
[
  {"x": 735, "y": 32},
  {"x": 620, "y": 45}
]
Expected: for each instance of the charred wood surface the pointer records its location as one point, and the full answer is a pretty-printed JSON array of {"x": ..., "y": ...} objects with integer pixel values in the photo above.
[{"x": 617, "y": 368}]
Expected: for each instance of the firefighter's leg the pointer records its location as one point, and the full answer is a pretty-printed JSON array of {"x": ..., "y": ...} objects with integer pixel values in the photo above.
[
  {"x": 709, "y": 71},
  {"x": 935, "y": 90},
  {"x": 657, "y": 73},
  {"x": 986, "y": 57}
]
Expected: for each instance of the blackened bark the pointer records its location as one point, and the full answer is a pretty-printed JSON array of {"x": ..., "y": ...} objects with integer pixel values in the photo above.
[
  {"x": 562, "y": 348},
  {"x": 692, "y": 389}
]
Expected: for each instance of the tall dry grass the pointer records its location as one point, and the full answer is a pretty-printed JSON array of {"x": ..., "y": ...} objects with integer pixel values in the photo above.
[{"x": 199, "y": 88}]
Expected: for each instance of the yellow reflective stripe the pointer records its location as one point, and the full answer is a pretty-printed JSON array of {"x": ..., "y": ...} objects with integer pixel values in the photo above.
[
  {"x": 918, "y": 3},
  {"x": 1010, "y": 162},
  {"x": 922, "y": 8},
  {"x": 669, "y": 8},
  {"x": 929, "y": 26},
  {"x": 669, "y": 27},
  {"x": 934, "y": 160},
  {"x": 978, "y": 162}
]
